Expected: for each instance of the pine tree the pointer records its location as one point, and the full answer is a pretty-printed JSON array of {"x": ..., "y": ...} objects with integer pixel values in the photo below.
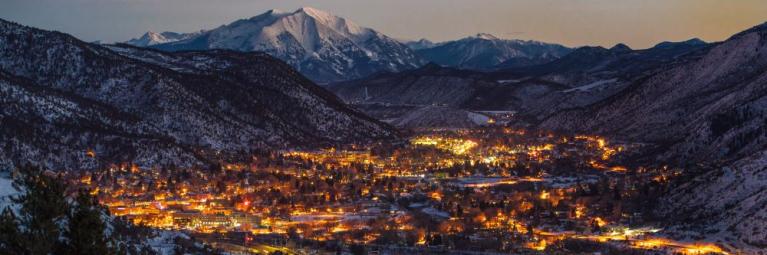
[
  {"x": 42, "y": 207},
  {"x": 86, "y": 228},
  {"x": 11, "y": 241}
]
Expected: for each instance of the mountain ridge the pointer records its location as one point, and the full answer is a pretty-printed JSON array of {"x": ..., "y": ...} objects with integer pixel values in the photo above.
[
  {"x": 322, "y": 46},
  {"x": 194, "y": 105},
  {"x": 705, "y": 112},
  {"x": 486, "y": 52}
]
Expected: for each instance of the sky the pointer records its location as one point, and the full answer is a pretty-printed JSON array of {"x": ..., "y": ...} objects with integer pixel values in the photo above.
[{"x": 637, "y": 23}]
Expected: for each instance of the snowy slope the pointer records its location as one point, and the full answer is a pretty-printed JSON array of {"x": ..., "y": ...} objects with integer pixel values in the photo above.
[
  {"x": 738, "y": 210},
  {"x": 704, "y": 106},
  {"x": 707, "y": 112},
  {"x": 60, "y": 97}
]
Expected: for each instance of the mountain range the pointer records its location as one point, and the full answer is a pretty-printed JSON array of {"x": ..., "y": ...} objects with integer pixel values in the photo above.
[
  {"x": 706, "y": 112},
  {"x": 585, "y": 76},
  {"x": 322, "y": 46},
  {"x": 67, "y": 104},
  {"x": 327, "y": 48},
  {"x": 151, "y": 38},
  {"x": 487, "y": 52}
]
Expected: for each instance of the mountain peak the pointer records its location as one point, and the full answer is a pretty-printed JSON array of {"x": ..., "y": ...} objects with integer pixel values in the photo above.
[
  {"x": 316, "y": 13},
  {"x": 310, "y": 9},
  {"x": 486, "y": 36},
  {"x": 149, "y": 38},
  {"x": 152, "y": 35},
  {"x": 423, "y": 43},
  {"x": 690, "y": 42},
  {"x": 620, "y": 47},
  {"x": 695, "y": 41},
  {"x": 152, "y": 38},
  {"x": 312, "y": 40},
  {"x": 424, "y": 40},
  {"x": 334, "y": 22}
]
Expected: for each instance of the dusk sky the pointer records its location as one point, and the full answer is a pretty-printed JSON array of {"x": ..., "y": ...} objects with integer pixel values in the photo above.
[{"x": 638, "y": 23}]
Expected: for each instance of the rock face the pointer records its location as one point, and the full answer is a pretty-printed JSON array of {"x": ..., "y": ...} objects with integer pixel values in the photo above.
[
  {"x": 63, "y": 97},
  {"x": 706, "y": 107},
  {"x": 320, "y": 45},
  {"x": 485, "y": 52}
]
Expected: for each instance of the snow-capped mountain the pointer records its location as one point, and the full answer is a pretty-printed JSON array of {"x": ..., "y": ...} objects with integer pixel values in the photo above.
[
  {"x": 322, "y": 46},
  {"x": 61, "y": 97},
  {"x": 419, "y": 44},
  {"x": 152, "y": 38},
  {"x": 485, "y": 51}
]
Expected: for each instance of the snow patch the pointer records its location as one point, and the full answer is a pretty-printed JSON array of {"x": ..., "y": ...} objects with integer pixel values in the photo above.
[{"x": 590, "y": 86}]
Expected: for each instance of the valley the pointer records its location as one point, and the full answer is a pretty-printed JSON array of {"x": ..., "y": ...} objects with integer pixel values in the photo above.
[
  {"x": 485, "y": 190},
  {"x": 301, "y": 132}
]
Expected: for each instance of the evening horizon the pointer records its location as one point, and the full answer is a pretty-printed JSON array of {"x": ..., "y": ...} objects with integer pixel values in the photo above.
[{"x": 571, "y": 23}]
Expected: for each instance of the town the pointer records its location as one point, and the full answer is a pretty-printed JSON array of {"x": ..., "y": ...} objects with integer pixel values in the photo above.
[{"x": 486, "y": 190}]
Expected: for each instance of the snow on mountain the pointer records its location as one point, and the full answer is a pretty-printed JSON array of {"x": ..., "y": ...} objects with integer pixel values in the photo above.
[
  {"x": 590, "y": 86},
  {"x": 583, "y": 77},
  {"x": 151, "y": 38},
  {"x": 706, "y": 111},
  {"x": 485, "y": 51},
  {"x": 708, "y": 103},
  {"x": 484, "y": 36},
  {"x": 322, "y": 46},
  {"x": 61, "y": 97},
  {"x": 730, "y": 204},
  {"x": 420, "y": 44}
]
